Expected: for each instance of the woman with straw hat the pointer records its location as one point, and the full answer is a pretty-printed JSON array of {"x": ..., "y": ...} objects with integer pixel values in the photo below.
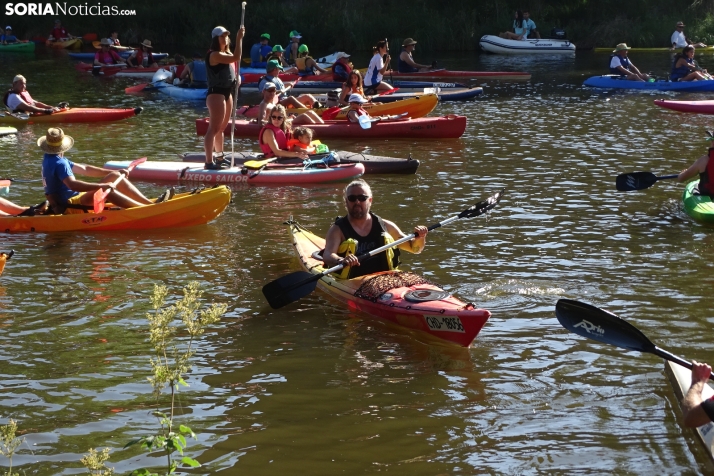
[
  {"x": 65, "y": 193},
  {"x": 141, "y": 55}
]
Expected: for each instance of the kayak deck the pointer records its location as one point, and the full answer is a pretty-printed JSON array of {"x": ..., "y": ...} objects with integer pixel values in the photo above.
[{"x": 699, "y": 207}]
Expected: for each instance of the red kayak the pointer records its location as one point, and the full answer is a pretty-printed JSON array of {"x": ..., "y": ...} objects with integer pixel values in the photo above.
[
  {"x": 74, "y": 114},
  {"x": 445, "y": 74},
  {"x": 446, "y": 127},
  {"x": 120, "y": 71},
  {"x": 698, "y": 107}
]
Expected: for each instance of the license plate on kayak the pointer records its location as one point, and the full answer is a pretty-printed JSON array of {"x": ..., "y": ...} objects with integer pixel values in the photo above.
[{"x": 444, "y": 323}]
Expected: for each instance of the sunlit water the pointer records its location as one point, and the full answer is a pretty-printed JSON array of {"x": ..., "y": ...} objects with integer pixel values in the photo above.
[{"x": 314, "y": 388}]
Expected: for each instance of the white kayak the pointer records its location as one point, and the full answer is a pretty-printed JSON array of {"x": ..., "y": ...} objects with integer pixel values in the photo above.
[
  {"x": 681, "y": 379},
  {"x": 498, "y": 45},
  {"x": 6, "y": 131}
]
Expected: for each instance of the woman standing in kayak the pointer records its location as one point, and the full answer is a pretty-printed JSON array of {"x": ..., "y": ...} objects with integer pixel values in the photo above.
[
  {"x": 378, "y": 65},
  {"x": 273, "y": 137},
  {"x": 222, "y": 76}
]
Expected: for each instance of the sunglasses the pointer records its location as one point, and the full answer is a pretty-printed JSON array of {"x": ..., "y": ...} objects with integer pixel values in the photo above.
[
  {"x": 280, "y": 118},
  {"x": 354, "y": 198}
]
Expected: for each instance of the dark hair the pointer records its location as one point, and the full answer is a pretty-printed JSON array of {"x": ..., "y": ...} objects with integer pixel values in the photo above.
[
  {"x": 380, "y": 44},
  {"x": 683, "y": 53},
  {"x": 216, "y": 46},
  {"x": 179, "y": 59},
  {"x": 357, "y": 74},
  {"x": 519, "y": 19}
]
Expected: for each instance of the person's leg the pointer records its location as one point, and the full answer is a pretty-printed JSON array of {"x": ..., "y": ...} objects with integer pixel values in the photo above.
[
  {"x": 307, "y": 100},
  {"x": 126, "y": 188},
  {"x": 309, "y": 117},
  {"x": 382, "y": 87},
  {"x": 115, "y": 198},
  {"x": 9, "y": 208},
  {"x": 216, "y": 104},
  {"x": 219, "y": 138},
  {"x": 291, "y": 101}
]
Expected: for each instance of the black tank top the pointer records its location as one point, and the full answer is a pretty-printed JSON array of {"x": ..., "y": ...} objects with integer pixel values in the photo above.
[{"x": 365, "y": 244}]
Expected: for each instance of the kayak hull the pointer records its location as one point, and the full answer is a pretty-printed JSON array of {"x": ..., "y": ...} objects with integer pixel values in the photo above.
[
  {"x": 699, "y": 207},
  {"x": 27, "y": 47},
  {"x": 415, "y": 107},
  {"x": 124, "y": 54},
  {"x": 372, "y": 164},
  {"x": 324, "y": 86},
  {"x": 182, "y": 94},
  {"x": 460, "y": 75},
  {"x": 185, "y": 209},
  {"x": 181, "y": 171},
  {"x": 446, "y": 127},
  {"x": 614, "y": 82},
  {"x": 444, "y": 96},
  {"x": 447, "y": 319},
  {"x": 136, "y": 73},
  {"x": 681, "y": 379},
  {"x": 6, "y": 131},
  {"x": 68, "y": 44},
  {"x": 502, "y": 46},
  {"x": 697, "y": 107},
  {"x": 77, "y": 114}
]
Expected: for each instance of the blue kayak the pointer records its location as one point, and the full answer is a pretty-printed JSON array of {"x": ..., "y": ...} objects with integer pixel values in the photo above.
[
  {"x": 615, "y": 82},
  {"x": 182, "y": 94},
  {"x": 123, "y": 54}
]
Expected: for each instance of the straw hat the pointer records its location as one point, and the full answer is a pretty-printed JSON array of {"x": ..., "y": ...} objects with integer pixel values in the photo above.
[
  {"x": 55, "y": 141},
  {"x": 621, "y": 47},
  {"x": 105, "y": 42},
  {"x": 679, "y": 23},
  {"x": 147, "y": 43},
  {"x": 408, "y": 42}
]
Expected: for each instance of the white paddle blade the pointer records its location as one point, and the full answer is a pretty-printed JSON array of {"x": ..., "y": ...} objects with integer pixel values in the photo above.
[{"x": 365, "y": 122}]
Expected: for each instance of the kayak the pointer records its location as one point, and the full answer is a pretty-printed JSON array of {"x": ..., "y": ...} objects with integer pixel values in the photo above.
[
  {"x": 3, "y": 259},
  {"x": 615, "y": 82},
  {"x": 498, "y": 45},
  {"x": 446, "y": 127},
  {"x": 681, "y": 379},
  {"x": 6, "y": 131},
  {"x": 124, "y": 54},
  {"x": 699, "y": 207},
  {"x": 137, "y": 73},
  {"x": 324, "y": 86},
  {"x": 25, "y": 47},
  {"x": 414, "y": 107},
  {"x": 425, "y": 308},
  {"x": 74, "y": 114},
  {"x": 445, "y": 74},
  {"x": 183, "y": 94},
  {"x": 373, "y": 164},
  {"x": 180, "y": 171},
  {"x": 71, "y": 43},
  {"x": 185, "y": 209},
  {"x": 660, "y": 48},
  {"x": 446, "y": 95},
  {"x": 699, "y": 107}
]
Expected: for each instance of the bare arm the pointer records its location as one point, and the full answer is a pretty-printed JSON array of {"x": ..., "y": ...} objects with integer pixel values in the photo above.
[
  {"x": 23, "y": 106},
  {"x": 218, "y": 57},
  {"x": 404, "y": 56},
  {"x": 313, "y": 63},
  {"x": 332, "y": 244},
  {"x": 694, "y": 414},
  {"x": 415, "y": 245},
  {"x": 92, "y": 171},
  {"x": 386, "y": 65},
  {"x": 699, "y": 166}
]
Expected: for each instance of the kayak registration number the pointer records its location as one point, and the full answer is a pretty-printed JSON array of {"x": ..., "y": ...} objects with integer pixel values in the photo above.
[{"x": 444, "y": 323}]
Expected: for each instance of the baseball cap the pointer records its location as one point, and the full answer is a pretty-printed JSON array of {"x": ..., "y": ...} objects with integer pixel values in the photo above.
[
  {"x": 269, "y": 85},
  {"x": 265, "y": 35},
  {"x": 303, "y": 49},
  {"x": 218, "y": 31},
  {"x": 295, "y": 34},
  {"x": 8, "y": 27},
  {"x": 17, "y": 78},
  {"x": 272, "y": 64}
]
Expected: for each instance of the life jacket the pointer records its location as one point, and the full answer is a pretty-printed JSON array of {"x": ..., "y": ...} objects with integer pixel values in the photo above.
[
  {"x": 356, "y": 244},
  {"x": 220, "y": 75},
  {"x": 139, "y": 58},
  {"x": 624, "y": 62},
  {"x": 107, "y": 57},
  {"x": 58, "y": 33},
  {"x": 178, "y": 69},
  {"x": 706, "y": 178},
  {"x": 301, "y": 64},
  {"x": 360, "y": 112},
  {"x": 682, "y": 71},
  {"x": 25, "y": 96},
  {"x": 403, "y": 66},
  {"x": 275, "y": 55},
  {"x": 280, "y": 138},
  {"x": 309, "y": 148},
  {"x": 198, "y": 72},
  {"x": 336, "y": 76}
]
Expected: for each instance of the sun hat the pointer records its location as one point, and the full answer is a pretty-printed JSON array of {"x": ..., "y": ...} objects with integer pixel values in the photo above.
[
  {"x": 269, "y": 85},
  {"x": 357, "y": 98},
  {"x": 105, "y": 42},
  {"x": 273, "y": 64},
  {"x": 8, "y": 27},
  {"x": 147, "y": 43},
  {"x": 295, "y": 34},
  {"x": 679, "y": 23},
  {"x": 218, "y": 31},
  {"x": 17, "y": 78},
  {"x": 265, "y": 35},
  {"x": 278, "y": 49},
  {"x": 408, "y": 42},
  {"x": 621, "y": 47},
  {"x": 55, "y": 141},
  {"x": 341, "y": 55},
  {"x": 303, "y": 49}
]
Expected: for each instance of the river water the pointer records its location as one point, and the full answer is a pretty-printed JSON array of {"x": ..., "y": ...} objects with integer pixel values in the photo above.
[{"x": 317, "y": 389}]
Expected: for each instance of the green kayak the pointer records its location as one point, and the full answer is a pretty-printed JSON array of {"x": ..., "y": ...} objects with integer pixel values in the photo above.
[
  {"x": 699, "y": 207},
  {"x": 18, "y": 47}
]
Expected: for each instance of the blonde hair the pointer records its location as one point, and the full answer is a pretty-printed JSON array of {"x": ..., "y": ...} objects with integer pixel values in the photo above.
[{"x": 287, "y": 122}]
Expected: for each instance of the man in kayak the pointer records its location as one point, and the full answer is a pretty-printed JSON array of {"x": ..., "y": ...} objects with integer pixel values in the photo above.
[
  {"x": 621, "y": 64},
  {"x": 18, "y": 99},
  {"x": 696, "y": 410},
  {"x": 291, "y": 51},
  {"x": 530, "y": 26},
  {"x": 405, "y": 62},
  {"x": 106, "y": 55},
  {"x": 260, "y": 51},
  {"x": 8, "y": 38},
  {"x": 68, "y": 195},
  {"x": 306, "y": 64},
  {"x": 678, "y": 40},
  {"x": 272, "y": 70},
  {"x": 59, "y": 32},
  {"x": 361, "y": 231},
  {"x": 194, "y": 74}
]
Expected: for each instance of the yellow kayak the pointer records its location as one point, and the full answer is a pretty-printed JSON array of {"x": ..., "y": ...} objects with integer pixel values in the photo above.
[
  {"x": 185, "y": 209},
  {"x": 3, "y": 259},
  {"x": 69, "y": 44}
]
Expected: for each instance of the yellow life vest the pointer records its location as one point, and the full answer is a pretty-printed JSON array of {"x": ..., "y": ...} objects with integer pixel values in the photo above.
[{"x": 349, "y": 246}]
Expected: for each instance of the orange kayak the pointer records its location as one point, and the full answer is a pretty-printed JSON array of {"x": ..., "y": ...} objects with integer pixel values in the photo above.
[
  {"x": 74, "y": 114},
  {"x": 72, "y": 43},
  {"x": 3, "y": 259},
  {"x": 185, "y": 209}
]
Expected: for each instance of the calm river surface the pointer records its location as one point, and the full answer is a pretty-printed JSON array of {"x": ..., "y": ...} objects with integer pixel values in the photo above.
[{"x": 316, "y": 389}]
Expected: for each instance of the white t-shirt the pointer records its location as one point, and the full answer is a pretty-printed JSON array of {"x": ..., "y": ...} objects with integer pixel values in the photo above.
[
  {"x": 373, "y": 75},
  {"x": 14, "y": 100},
  {"x": 678, "y": 39}
]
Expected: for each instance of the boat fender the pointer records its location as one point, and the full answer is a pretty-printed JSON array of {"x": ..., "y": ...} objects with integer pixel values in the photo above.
[{"x": 425, "y": 295}]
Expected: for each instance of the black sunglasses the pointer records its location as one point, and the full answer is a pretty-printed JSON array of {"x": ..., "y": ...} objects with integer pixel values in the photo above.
[
  {"x": 354, "y": 198},
  {"x": 276, "y": 117}
]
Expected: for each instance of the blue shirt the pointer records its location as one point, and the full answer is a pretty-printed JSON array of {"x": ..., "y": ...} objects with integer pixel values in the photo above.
[
  {"x": 9, "y": 38},
  {"x": 530, "y": 26},
  {"x": 54, "y": 170},
  {"x": 258, "y": 53},
  {"x": 275, "y": 80}
]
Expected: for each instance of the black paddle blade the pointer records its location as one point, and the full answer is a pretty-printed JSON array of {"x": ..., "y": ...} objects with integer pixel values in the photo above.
[
  {"x": 290, "y": 288},
  {"x": 602, "y": 326},
  {"x": 482, "y": 207},
  {"x": 635, "y": 181}
]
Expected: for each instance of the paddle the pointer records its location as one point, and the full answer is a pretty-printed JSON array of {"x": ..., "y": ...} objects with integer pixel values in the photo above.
[
  {"x": 602, "y": 326},
  {"x": 391, "y": 91},
  {"x": 235, "y": 93},
  {"x": 20, "y": 180},
  {"x": 294, "y": 286},
  {"x": 107, "y": 70},
  {"x": 100, "y": 195},
  {"x": 639, "y": 180}
]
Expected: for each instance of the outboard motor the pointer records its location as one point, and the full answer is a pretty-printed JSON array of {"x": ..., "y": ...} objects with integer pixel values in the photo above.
[{"x": 558, "y": 34}]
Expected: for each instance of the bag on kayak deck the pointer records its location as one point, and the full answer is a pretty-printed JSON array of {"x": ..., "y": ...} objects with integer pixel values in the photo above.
[
  {"x": 333, "y": 98},
  {"x": 558, "y": 34},
  {"x": 373, "y": 288},
  {"x": 331, "y": 159}
]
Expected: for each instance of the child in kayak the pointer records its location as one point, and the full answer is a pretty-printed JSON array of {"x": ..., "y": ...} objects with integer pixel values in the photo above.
[{"x": 302, "y": 138}]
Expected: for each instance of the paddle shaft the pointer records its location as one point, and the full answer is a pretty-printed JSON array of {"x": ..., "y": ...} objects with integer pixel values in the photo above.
[
  {"x": 235, "y": 94},
  {"x": 101, "y": 195},
  {"x": 667, "y": 177}
]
